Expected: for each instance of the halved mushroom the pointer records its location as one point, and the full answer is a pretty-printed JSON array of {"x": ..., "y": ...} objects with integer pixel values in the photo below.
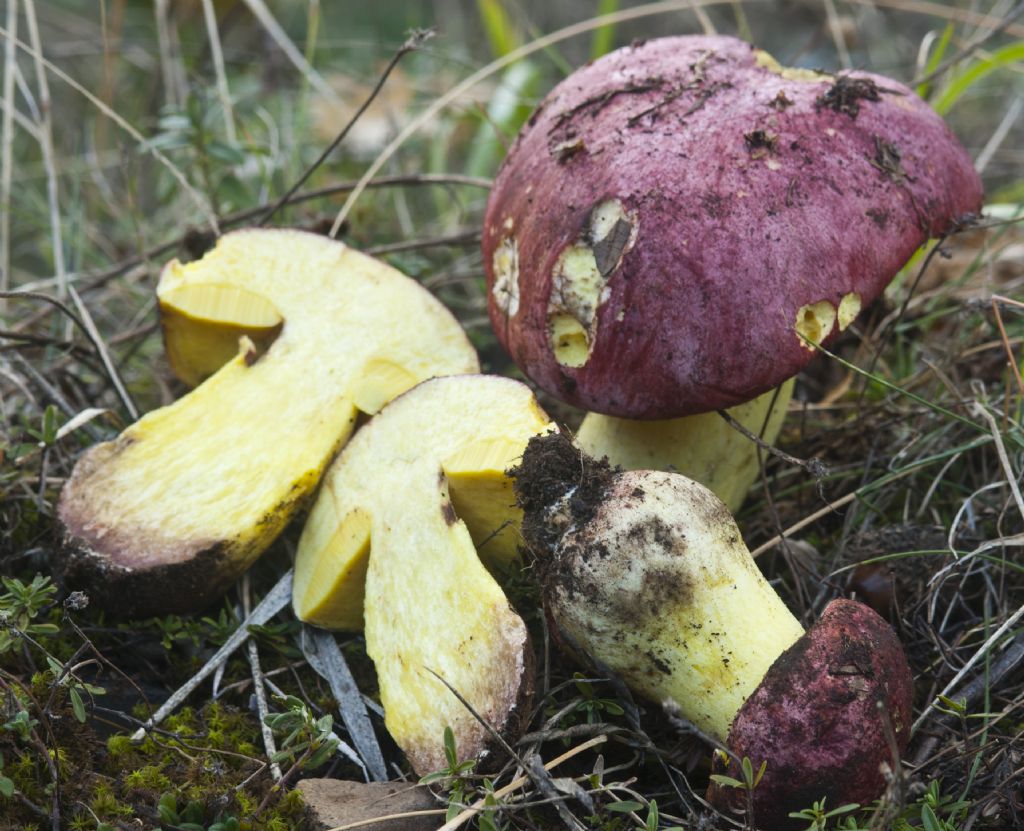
[
  {"x": 164, "y": 518},
  {"x": 402, "y": 511}
]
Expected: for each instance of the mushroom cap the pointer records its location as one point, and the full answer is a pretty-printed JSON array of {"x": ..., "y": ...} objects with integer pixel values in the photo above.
[
  {"x": 671, "y": 211},
  {"x": 819, "y": 718}
]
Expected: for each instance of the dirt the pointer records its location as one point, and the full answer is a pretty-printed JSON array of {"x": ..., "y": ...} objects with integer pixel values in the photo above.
[
  {"x": 845, "y": 95},
  {"x": 550, "y": 468}
]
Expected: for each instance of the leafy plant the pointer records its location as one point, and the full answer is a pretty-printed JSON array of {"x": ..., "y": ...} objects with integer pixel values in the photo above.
[
  {"x": 454, "y": 777},
  {"x": 819, "y": 817},
  {"x": 308, "y": 741},
  {"x": 20, "y": 605}
]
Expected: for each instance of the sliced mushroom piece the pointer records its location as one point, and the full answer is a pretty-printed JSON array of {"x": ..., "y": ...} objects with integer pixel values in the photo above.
[
  {"x": 162, "y": 519},
  {"x": 403, "y": 511}
]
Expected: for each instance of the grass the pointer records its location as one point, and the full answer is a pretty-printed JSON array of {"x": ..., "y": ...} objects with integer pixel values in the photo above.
[{"x": 136, "y": 134}]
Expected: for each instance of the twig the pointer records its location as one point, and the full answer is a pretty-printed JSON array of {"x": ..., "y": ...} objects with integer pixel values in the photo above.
[
  {"x": 815, "y": 466},
  {"x": 416, "y": 39},
  {"x": 459, "y": 238},
  {"x": 275, "y": 600}
]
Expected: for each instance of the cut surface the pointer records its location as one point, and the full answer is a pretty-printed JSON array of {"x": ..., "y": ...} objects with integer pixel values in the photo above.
[
  {"x": 428, "y": 473},
  {"x": 165, "y": 516},
  {"x": 684, "y": 210},
  {"x": 703, "y": 447},
  {"x": 202, "y": 324}
]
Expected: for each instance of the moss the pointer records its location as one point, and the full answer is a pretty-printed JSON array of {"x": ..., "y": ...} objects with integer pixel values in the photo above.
[{"x": 119, "y": 745}]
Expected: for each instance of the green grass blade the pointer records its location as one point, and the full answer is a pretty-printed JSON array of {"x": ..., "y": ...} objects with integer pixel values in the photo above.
[
  {"x": 498, "y": 27},
  {"x": 935, "y": 58},
  {"x": 604, "y": 38},
  {"x": 1007, "y": 56}
]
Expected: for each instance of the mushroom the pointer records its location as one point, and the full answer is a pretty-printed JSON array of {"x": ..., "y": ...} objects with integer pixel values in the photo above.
[
  {"x": 683, "y": 221},
  {"x": 400, "y": 515},
  {"x": 646, "y": 572},
  {"x": 166, "y": 516}
]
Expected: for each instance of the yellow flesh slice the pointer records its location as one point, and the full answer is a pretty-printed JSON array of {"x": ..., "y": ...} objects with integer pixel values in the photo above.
[
  {"x": 227, "y": 465},
  {"x": 430, "y": 605},
  {"x": 203, "y": 322}
]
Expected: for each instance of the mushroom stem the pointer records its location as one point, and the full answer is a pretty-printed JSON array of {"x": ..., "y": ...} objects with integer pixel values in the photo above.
[
  {"x": 703, "y": 447},
  {"x": 647, "y": 571}
]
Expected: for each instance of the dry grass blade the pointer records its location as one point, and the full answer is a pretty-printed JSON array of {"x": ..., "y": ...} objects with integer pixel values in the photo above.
[
  {"x": 46, "y": 134},
  {"x": 323, "y": 654},
  {"x": 496, "y": 66},
  {"x": 223, "y": 92},
  {"x": 6, "y": 148},
  {"x": 120, "y": 121}
]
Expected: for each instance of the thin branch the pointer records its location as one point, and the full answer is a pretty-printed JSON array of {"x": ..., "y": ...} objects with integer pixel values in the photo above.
[
  {"x": 816, "y": 467},
  {"x": 416, "y": 39}
]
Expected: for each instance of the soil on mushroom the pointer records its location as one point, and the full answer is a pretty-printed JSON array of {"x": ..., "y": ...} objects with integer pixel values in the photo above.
[{"x": 550, "y": 470}]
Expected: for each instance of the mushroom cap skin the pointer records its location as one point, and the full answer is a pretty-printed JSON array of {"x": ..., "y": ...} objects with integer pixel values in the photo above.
[
  {"x": 672, "y": 211},
  {"x": 816, "y": 718}
]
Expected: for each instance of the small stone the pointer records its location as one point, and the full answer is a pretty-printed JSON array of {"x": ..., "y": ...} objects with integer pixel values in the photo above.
[{"x": 334, "y": 802}]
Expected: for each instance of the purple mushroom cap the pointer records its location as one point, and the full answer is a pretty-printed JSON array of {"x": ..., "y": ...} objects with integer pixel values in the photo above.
[
  {"x": 825, "y": 718},
  {"x": 742, "y": 195}
]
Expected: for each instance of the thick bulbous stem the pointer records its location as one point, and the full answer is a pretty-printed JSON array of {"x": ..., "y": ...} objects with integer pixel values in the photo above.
[{"x": 703, "y": 447}]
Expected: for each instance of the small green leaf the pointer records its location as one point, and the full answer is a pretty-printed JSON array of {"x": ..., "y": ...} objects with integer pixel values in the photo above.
[
  {"x": 77, "y": 705},
  {"x": 625, "y": 806},
  {"x": 6, "y": 786},
  {"x": 929, "y": 820},
  {"x": 727, "y": 781},
  {"x": 449, "y": 747}
]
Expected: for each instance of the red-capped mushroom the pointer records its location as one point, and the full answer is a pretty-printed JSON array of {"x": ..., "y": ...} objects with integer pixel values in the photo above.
[
  {"x": 683, "y": 220},
  {"x": 647, "y": 573}
]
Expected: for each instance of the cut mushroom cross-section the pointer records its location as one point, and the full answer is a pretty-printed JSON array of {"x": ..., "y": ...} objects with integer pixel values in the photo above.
[
  {"x": 403, "y": 508},
  {"x": 163, "y": 518}
]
